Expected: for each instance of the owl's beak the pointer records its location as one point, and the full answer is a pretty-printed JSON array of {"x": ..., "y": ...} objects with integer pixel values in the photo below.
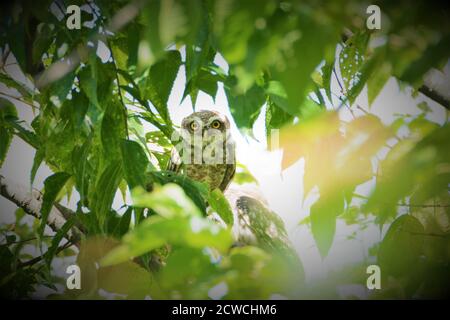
[{"x": 209, "y": 134}]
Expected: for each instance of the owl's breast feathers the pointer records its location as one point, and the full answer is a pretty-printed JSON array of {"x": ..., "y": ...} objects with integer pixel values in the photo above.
[{"x": 214, "y": 166}]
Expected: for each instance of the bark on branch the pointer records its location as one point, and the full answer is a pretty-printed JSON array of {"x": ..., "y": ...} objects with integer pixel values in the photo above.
[
  {"x": 435, "y": 86},
  {"x": 31, "y": 202}
]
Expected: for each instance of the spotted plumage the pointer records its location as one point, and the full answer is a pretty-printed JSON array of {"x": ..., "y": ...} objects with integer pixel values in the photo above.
[
  {"x": 254, "y": 222},
  {"x": 205, "y": 151}
]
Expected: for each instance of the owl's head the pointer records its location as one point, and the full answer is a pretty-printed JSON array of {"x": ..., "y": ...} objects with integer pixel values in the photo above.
[
  {"x": 204, "y": 121},
  {"x": 207, "y": 132}
]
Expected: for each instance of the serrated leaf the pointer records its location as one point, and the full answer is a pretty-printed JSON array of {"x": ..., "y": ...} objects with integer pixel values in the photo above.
[
  {"x": 105, "y": 191},
  {"x": 52, "y": 186},
  {"x": 160, "y": 81},
  {"x": 135, "y": 163}
]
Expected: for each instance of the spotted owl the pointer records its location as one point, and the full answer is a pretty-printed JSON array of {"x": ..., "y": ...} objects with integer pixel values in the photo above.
[
  {"x": 205, "y": 150},
  {"x": 205, "y": 153}
]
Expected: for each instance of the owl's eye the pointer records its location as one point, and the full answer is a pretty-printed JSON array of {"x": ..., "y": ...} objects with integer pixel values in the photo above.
[
  {"x": 194, "y": 126},
  {"x": 215, "y": 124}
]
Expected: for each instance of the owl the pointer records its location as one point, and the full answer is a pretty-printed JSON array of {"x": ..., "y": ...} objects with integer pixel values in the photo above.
[{"x": 205, "y": 151}]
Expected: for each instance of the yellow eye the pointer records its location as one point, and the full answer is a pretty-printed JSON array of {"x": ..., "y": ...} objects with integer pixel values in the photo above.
[
  {"x": 194, "y": 126},
  {"x": 215, "y": 124}
]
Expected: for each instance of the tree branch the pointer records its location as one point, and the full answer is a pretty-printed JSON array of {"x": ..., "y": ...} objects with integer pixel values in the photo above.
[
  {"x": 39, "y": 258},
  {"x": 31, "y": 203},
  {"x": 435, "y": 95}
]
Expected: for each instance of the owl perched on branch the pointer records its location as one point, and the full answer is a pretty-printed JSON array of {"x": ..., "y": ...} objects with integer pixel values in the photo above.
[
  {"x": 206, "y": 153},
  {"x": 206, "y": 150}
]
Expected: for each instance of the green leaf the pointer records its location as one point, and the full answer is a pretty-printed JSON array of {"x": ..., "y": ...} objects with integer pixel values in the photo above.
[
  {"x": 26, "y": 135},
  {"x": 38, "y": 158},
  {"x": 128, "y": 279},
  {"x": 75, "y": 110},
  {"x": 105, "y": 191},
  {"x": 62, "y": 87},
  {"x": 400, "y": 250},
  {"x": 11, "y": 83},
  {"x": 52, "y": 187},
  {"x": 5, "y": 142},
  {"x": 245, "y": 107},
  {"x": 351, "y": 58},
  {"x": 124, "y": 223},
  {"x": 165, "y": 22},
  {"x": 57, "y": 239},
  {"x": 135, "y": 163},
  {"x": 160, "y": 81},
  {"x": 433, "y": 56},
  {"x": 193, "y": 264},
  {"x": 178, "y": 222},
  {"x": 7, "y": 110},
  {"x": 220, "y": 204},
  {"x": 412, "y": 166},
  {"x": 276, "y": 117},
  {"x": 42, "y": 42},
  {"x": 113, "y": 129},
  {"x": 80, "y": 166},
  {"x": 198, "y": 192},
  {"x": 366, "y": 71},
  {"x": 327, "y": 71},
  {"x": 323, "y": 221},
  {"x": 304, "y": 56},
  {"x": 168, "y": 201},
  {"x": 376, "y": 82},
  {"x": 88, "y": 83},
  {"x": 203, "y": 81},
  {"x": 197, "y": 58},
  {"x": 154, "y": 232},
  {"x": 277, "y": 94}
]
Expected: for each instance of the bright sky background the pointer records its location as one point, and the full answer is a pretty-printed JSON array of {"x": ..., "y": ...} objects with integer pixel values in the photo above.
[{"x": 282, "y": 189}]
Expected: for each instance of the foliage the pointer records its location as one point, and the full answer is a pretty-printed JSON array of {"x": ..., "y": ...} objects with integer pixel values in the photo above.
[{"x": 282, "y": 56}]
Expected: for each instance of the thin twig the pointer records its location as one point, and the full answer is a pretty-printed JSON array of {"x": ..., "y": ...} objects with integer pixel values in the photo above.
[
  {"x": 39, "y": 258},
  {"x": 27, "y": 240},
  {"x": 362, "y": 109}
]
